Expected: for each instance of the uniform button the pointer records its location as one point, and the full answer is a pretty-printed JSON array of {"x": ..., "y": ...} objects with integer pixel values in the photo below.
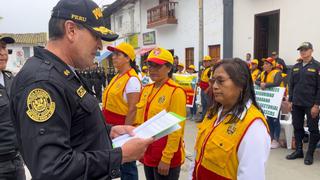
[
  {"x": 42, "y": 131},
  {"x": 47, "y": 62}
]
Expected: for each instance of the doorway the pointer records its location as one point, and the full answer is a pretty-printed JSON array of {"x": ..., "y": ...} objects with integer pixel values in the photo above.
[{"x": 266, "y": 34}]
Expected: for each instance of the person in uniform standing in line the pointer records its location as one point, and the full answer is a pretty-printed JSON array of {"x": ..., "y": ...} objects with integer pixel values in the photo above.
[
  {"x": 255, "y": 72},
  {"x": 269, "y": 78},
  {"x": 204, "y": 84},
  {"x": 122, "y": 95},
  {"x": 275, "y": 56},
  {"x": 304, "y": 99},
  {"x": 233, "y": 141},
  {"x": 61, "y": 131},
  {"x": 11, "y": 163},
  {"x": 164, "y": 157}
]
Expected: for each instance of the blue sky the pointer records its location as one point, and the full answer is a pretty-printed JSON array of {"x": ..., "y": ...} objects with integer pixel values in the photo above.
[{"x": 29, "y": 16}]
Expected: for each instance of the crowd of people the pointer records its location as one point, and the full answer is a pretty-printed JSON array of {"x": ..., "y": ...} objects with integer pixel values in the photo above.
[{"x": 51, "y": 119}]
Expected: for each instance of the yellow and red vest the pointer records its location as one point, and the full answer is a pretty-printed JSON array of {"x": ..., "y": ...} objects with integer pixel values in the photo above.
[
  {"x": 284, "y": 85},
  {"x": 255, "y": 74},
  {"x": 172, "y": 98},
  {"x": 270, "y": 76},
  {"x": 217, "y": 147},
  {"x": 114, "y": 107},
  {"x": 204, "y": 79}
]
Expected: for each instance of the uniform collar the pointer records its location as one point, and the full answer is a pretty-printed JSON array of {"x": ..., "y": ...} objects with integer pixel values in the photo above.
[
  {"x": 2, "y": 79},
  {"x": 241, "y": 116}
]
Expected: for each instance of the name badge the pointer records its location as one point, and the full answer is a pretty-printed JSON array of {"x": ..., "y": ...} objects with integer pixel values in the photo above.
[
  {"x": 311, "y": 70},
  {"x": 81, "y": 91}
]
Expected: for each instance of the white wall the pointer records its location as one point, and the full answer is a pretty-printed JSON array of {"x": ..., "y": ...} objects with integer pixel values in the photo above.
[
  {"x": 298, "y": 23},
  {"x": 179, "y": 36},
  {"x": 186, "y": 33},
  {"x": 15, "y": 63},
  {"x": 213, "y": 24},
  {"x": 130, "y": 19}
]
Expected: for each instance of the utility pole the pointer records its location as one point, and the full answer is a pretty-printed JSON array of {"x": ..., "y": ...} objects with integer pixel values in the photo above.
[{"x": 200, "y": 31}]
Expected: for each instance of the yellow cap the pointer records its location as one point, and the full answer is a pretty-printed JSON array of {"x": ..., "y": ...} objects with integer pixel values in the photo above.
[
  {"x": 254, "y": 61},
  {"x": 160, "y": 56},
  {"x": 144, "y": 67},
  {"x": 207, "y": 58},
  {"x": 271, "y": 61},
  {"x": 180, "y": 64},
  {"x": 124, "y": 48},
  {"x": 192, "y": 67}
]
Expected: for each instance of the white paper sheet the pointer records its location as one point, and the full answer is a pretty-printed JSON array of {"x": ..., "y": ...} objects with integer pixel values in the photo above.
[{"x": 158, "y": 126}]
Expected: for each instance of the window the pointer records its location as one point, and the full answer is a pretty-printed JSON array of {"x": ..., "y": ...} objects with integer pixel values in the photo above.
[
  {"x": 119, "y": 22},
  {"x": 214, "y": 51},
  {"x": 26, "y": 52},
  {"x": 162, "y": 1},
  {"x": 189, "y": 56}
]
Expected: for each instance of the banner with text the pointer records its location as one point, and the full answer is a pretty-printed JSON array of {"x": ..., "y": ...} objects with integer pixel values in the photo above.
[
  {"x": 189, "y": 83},
  {"x": 270, "y": 100}
]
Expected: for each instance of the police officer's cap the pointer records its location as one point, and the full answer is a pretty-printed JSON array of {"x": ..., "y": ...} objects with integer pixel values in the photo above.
[
  {"x": 86, "y": 13},
  {"x": 305, "y": 45},
  {"x": 7, "y": 39}
]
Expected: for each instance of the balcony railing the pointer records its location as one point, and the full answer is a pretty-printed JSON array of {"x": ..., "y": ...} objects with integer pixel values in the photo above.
[{"x": 162, "y": 14}]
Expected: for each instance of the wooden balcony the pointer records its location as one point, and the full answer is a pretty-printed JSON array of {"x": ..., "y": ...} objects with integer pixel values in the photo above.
[{"x": 163, "y": 14}]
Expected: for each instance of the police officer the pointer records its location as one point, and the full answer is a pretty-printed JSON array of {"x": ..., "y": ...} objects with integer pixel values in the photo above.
[
  {"x": 60, "y": 128},
  {"x": 11, "y": 165},
  {"x": 97, "y": 83},
  {"x": 304, "y": 98}
]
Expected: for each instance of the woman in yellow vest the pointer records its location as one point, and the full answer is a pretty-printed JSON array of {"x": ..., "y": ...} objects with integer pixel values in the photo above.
[
  {"x": 121, "y": 96},
  {"x": 204, "y": 85},
  {"x": 233, "y": 142},
  {"x": 144, "y": 71},
  {"x": 180, "y": 68},
  {"x": 255, "y": 72},
  {"x": 271, "y": 77},
  {"x": 163, "y": 158}
]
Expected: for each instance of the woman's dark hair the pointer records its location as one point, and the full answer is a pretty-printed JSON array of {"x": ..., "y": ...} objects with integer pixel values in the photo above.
[
  {"x": 134, "y": 66},
  {"x": 240, "y": 75},
  {"x": 171, "y": 69},
  {"x": 132, "y": 63}
]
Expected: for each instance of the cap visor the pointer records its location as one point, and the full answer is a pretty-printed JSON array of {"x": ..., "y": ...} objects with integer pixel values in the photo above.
[
  {"x": 104, "y": 33},
  {"x": 303, "y": 47},
  {"x": 112, "y": 49},
  {"x": 157, "y": 61},
  {"x": 8, "y": 40}
]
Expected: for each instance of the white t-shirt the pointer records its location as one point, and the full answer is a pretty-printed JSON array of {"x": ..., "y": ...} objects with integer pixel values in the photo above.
[
  {"x": 1, "y": 79},
  {"x": 133, "y": 86}
]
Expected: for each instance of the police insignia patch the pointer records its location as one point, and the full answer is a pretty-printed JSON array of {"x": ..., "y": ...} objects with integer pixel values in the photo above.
[
  {"x": 161, "y": 99},
  {"x": 40, "y": 105},
  {"x": 66, "y": 72},
  {"x": 81, "y": 91},
  {"x": 231, "y": 129}
]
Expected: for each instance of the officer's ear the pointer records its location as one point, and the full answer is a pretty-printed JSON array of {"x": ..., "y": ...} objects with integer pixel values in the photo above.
[{"x": 70, "y": 29}]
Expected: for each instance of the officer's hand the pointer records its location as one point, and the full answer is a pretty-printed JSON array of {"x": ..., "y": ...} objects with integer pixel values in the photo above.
[
  {"x": 163, "y": 168},
  {"x": 120, "y": 130},
  {"x": 314, "y": 111},
  {"x": 134, "y": 149}
]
